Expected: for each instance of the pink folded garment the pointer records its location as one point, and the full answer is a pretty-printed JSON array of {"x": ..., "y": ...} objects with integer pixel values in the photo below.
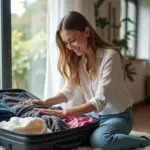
[{"x": 74, "y": 122}]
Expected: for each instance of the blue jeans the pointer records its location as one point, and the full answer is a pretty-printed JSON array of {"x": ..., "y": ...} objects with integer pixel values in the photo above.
[{"x": 113, "y": 132}]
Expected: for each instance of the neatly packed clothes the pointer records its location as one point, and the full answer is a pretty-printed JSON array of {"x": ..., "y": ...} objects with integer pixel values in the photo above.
[
  {"x": 26, "y": 125},
  {"x": 5, "y": 112},
  {"x": 74, "y": 122}
]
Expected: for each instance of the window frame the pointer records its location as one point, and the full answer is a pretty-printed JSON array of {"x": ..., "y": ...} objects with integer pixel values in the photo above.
[
  {"x": 6, "y": 44},
  {"x": 136, "y": 3}
]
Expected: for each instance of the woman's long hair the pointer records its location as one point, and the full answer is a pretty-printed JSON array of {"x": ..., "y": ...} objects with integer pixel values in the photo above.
[{"x": 68, "y": 62}]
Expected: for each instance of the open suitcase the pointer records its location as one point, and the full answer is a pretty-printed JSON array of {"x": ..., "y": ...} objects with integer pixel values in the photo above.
[{"x": 62, "y": 140}]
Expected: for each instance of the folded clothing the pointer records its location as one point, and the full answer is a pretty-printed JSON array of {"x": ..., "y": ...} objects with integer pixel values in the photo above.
[
  {"x": 26, "y": 125},
  {"x": 74, "y": 122},
  {"x": 5, "y": 112}
]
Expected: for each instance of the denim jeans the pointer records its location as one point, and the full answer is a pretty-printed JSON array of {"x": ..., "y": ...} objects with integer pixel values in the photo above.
[{"x": 113, "y": 132}]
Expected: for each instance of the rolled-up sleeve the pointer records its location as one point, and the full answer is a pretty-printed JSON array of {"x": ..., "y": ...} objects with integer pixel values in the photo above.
[
  {"x": 68, "y": 91},
  {"x": 112, "y": 73}
]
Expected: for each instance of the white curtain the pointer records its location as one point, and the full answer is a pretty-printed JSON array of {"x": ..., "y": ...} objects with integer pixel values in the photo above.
[{"x": 57, "y": 9}]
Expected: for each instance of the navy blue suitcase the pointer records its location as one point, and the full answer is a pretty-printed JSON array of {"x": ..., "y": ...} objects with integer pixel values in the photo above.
[{"x": 62, "y": 140}]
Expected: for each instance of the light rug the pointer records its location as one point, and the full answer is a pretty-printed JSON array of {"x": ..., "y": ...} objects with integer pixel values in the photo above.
[{"x": 138, "y": 134}]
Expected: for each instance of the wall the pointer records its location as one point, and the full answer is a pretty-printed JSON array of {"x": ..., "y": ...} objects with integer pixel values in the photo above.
[{"x": 137, "y": 87}]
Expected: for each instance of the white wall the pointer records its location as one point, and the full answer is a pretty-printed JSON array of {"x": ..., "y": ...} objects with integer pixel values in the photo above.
[{"x": 137, "y": 87}]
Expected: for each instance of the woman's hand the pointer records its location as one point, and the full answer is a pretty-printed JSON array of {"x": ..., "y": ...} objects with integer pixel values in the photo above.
[
  {"x": 32, "y": 101},
  {"x": 56, "y": 113}
]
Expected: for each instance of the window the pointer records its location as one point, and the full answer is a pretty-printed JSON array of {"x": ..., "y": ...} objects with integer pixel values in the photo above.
[
  {"x": 132, "y": 27},
  {"x": 129, "y": 11},
  {"x": 29, "y": 45},
  {"x": 5, "y": 44},
  {"x": 122, "y": 15}
]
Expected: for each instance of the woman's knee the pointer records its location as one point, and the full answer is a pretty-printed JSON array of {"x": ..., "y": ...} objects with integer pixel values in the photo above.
[{"x": 102, "y": 141}]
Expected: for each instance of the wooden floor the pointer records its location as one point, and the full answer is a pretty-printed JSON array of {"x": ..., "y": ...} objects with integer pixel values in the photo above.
[{"x": 141, "y": 115}]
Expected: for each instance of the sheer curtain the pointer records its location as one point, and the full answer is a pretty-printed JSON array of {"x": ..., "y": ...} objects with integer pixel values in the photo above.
[{"x": 56, "y": 10}]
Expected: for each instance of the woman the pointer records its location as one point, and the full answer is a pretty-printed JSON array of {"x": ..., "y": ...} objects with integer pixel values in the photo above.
[{"x": 88, "y": 61}]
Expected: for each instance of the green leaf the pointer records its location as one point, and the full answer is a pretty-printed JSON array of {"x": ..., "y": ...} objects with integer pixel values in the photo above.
[
  {"x": 122, "y": 43},
  {"x": 99, "y": 3},
  {"x": 102, "y": 22},
  {"x": 130, "y": 78},
  {"x": 127, "y": 20}
]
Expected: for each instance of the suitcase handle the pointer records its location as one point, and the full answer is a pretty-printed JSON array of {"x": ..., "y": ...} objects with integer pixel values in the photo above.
[
  {"x": 68, "y": 145},
  {"x": 6, "y": 145}
]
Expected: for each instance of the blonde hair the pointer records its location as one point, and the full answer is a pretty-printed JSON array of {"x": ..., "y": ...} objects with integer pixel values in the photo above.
[{"x": 68, "y": 62}]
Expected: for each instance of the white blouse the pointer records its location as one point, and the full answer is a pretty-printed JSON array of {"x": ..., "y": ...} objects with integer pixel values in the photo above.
[{"x": 107, "y": 91}]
